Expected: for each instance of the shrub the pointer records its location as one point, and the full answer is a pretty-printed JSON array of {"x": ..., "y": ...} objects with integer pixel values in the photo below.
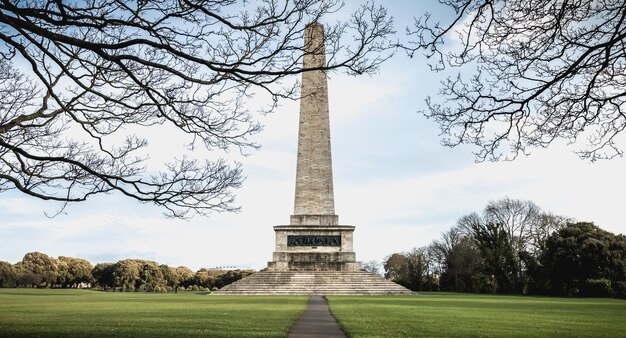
[
  {"x": 600, "y": 287},
  {"x": 619, "y": 289}
]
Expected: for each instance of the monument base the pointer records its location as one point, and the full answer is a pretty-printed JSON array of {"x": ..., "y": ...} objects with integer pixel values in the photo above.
[
  {"x": 313, "y": 260},
  {"x": 313, "y": 283},
  {"x": 314, "y": 248}
]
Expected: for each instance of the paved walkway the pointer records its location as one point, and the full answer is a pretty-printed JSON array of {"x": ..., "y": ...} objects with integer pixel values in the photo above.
[{"x": 316, "y": 321}]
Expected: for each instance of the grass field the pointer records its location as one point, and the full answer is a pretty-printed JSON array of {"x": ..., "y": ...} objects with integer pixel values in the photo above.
[
  {"x": 463, "y": 315},
  {"x": 84, "y": 313}
]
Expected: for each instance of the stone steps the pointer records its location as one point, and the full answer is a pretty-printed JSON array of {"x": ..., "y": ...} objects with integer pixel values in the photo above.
[{"x": 313, "y": 283}]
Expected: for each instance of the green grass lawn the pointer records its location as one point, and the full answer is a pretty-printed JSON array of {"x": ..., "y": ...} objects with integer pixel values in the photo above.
[
  {"x": 463, "y": 315},
  {"x": 85, "y": 313}
]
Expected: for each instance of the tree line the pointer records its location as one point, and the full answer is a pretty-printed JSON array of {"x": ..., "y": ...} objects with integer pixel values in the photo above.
[
  {"x": 37, "y": 269},
  {"x": 513, "y": 247}
]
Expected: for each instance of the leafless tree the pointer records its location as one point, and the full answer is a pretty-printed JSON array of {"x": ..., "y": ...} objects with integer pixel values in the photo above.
[
  {"x": 373, "y": 266},
  {"x": 516, "y": 217},
  {"x": 440, "y": 250},
  {"x": 526, "y": 226},
  {"x": 80, "y": 81},
  {"x": 546, "y": 225},
  {"x": 540, "y": 71}
]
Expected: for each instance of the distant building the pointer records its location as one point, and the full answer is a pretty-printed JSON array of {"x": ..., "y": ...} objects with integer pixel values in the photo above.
[{"x": 229, "y": 268}]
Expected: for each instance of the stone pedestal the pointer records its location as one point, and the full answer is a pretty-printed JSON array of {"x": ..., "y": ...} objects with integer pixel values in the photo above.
[{"x": 314, "y": 248}]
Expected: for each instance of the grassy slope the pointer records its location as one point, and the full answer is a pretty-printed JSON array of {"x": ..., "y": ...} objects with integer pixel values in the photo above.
[
  {"x": 76, "y": 313},
  {"x": 446, "y": 314}
]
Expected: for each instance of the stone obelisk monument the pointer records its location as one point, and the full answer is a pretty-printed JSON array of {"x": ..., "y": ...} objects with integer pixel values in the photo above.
[
  {"x": 314, "y": 240},
  {"x": 314, "y": 202},
  {"x": 314, "y": 254}
]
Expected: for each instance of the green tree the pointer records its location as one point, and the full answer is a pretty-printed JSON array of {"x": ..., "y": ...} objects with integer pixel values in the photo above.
[
  {"x": 74, "y": 271},
  {"x": 396, "y": 268},
  {"x": 463, "y": 268},
  {"x": 63, "y": 276},
  {"x": 229, "y": 277},
  {"x": 185, "y": 276},
  {"x": 8, "y": 275},
  {"x": 204, "y": 278},
  {"x": 499, "y": 259},
  {"x": 170, "y": 276},
  {"x": 127, "y": 274},
  {"x": 29, "y": 279},
  {"x": 418, "y": 269},
  {"x": 103, "y": 274},
  {"x": 413, "y": 269},
  {"x": 581, "y": 258},
  {"x": 42, "y": 265},
  {"x": 151, "y": 276}
]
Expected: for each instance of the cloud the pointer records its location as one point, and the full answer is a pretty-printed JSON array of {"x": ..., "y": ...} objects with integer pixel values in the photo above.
[
  {"x": 352, "y": 97},
  {"x": 20, "y": 206}
]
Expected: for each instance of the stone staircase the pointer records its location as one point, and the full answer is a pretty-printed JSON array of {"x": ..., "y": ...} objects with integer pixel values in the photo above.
[{"x": 313, "y": 283}]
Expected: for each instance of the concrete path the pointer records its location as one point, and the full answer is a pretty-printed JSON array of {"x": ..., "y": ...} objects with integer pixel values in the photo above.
[{"x": 316, "y": 321}]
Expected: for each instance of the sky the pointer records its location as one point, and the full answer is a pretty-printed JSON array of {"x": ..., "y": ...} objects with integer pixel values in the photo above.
[{"x": 393, "y": 180}]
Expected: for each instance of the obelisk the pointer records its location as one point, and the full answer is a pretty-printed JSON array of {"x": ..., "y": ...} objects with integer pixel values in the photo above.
[
  {"x": 314, "y": 201},
  {"x": 314, "y": 240}
]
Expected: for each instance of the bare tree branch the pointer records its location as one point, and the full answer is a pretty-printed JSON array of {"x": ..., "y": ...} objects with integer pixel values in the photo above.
[
  {"x": 545, "y": 70},
  {"x": 80, "y": 80}
]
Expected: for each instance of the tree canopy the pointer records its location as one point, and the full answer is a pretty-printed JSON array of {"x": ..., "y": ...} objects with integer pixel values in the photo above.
[
  {"x": 8, "y": 275},
  {"x": 540, "y": 71},
  {"x": 582, "y": 258},
  {"x": 81, "y": 81},
  {"x": 73, "y": 271},
  {"x": 41, "y": 265}
]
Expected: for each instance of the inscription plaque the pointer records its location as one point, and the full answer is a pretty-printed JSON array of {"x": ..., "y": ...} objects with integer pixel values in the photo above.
[{"x": 313, "y": 240}]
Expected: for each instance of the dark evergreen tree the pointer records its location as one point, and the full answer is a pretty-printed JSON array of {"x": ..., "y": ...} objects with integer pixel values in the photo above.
[{"x": 582, "y": 259}]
